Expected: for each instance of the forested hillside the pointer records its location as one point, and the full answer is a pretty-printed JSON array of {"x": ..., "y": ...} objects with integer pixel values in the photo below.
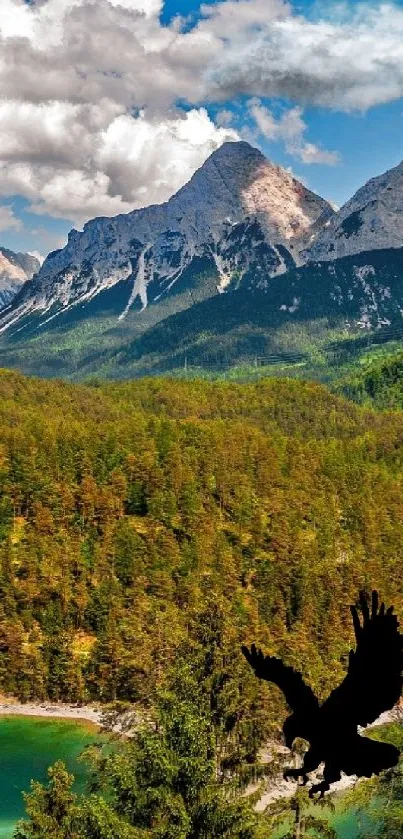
[
  {"x": 135, "y": 516},
  {"x": 380, "y": 383}
]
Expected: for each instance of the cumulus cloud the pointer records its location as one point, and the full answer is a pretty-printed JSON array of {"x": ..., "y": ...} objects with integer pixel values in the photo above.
[
  {"x": 78, "y": 165},
  {"x": 349, "y": 64},
  {"x": 290, "y": 128},
  {"x": 85, "y": 51},
  {"x": 38, "y": 256},
  {"x": 8, "y": 221},
  {"x": 229, "y": 19},
  {"x": 88, "y": 118}
]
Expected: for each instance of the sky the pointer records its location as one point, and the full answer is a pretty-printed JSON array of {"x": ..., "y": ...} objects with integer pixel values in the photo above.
[{"x": 111, "y": 105}]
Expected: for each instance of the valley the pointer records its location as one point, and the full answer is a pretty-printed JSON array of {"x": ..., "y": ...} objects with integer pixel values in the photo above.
[
  {"x": 148, "y": 528},
  {"x": 201, "y": 414},
  {"x": 181, "y": 471}
]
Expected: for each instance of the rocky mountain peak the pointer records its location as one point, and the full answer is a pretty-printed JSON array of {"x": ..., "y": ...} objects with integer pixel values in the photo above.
[
  {"x": 15, "y": 270},
  {"x": 238, "y": 176},
  {"x": 371, "y": 220},
  {"x": 239, "y": 215}
]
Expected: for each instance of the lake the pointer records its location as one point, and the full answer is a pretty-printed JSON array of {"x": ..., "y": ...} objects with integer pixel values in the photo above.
[{"x": 28, "y": 745}]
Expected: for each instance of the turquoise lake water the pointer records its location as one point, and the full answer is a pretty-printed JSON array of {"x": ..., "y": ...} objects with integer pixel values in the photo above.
[
  {"x": 28, "y": 745},
  {"x": 345, "y": 824}
]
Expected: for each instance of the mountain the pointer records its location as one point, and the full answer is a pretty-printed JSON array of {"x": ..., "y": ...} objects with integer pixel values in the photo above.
[
  {"x": 358, "y": 255},
  {"x": 15, "y": 270},
  {"x": 240, "y": 219},
  {"x": 346, "y": 291},
  {"x": 371, "y": 220},
  {"x": 243, "y": 261}
]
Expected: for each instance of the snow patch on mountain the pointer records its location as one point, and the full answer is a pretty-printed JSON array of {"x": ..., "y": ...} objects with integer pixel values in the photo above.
[{"x": 140, "y": 285}]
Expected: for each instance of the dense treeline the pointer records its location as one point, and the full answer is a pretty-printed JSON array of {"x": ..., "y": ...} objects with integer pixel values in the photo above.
[
  {"x": 177, "y": 777},
  {"x": 133, "y": 516},
  {"x": 379, "y": 384}
]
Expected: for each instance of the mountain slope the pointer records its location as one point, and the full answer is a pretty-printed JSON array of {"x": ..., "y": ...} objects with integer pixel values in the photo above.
[
  {"x": 15, "y": 270},
  {"x": 371, "y": 220},
  {"x": 300, "y": 312},
  {"x": 304, "y": 308},
  {"x": 240, "y": 217},
  {"x": 241, "y": 227}
]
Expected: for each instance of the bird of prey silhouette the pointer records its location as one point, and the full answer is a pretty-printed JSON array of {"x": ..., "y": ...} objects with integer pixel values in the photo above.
[{"x": 373, "y": 684}]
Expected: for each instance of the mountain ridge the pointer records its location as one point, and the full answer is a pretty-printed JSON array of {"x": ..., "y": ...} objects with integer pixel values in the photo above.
[
  {"x": 240, "y": 254},
  {"x": 149, "y": 249},
  {"x": 372, "y": 219}
]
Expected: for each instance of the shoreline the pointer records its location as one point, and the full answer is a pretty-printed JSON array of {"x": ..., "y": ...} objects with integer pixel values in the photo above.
[
  {"x": 50, "y": 710},
  {"x": 286, "y": 789},
  {"x": 279, "y": 788}
]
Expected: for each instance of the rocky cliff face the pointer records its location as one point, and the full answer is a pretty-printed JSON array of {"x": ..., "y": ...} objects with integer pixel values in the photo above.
[
  {"x": 240, "y": 217},
  {"x": 371, "y": 220},
  {"x": 15, "y": 270}
]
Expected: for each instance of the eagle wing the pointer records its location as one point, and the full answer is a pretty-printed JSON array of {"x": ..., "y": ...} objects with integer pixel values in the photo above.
[
  {"x": 298, "y": 695},
  {"x": 374, "y": 679}
]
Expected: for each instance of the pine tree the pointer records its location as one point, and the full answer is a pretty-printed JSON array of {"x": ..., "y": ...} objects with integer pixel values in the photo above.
[{"x": 51, "y": 808}]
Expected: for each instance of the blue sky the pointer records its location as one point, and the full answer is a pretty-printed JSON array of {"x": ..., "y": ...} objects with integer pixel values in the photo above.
[{"x": 57, "y": 170}]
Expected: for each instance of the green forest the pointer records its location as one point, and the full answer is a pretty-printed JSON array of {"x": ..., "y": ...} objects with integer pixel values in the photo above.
[
  {"x": 379, "y": 383},
  {"x": 147, "y": 530}
]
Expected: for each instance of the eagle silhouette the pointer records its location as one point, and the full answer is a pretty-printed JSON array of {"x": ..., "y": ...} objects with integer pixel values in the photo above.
[{"x": 373, "y": 684}]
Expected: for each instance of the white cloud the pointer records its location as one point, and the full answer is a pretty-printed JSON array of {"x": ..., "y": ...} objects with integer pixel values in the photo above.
[
  {"x": 350, "y": 63},
  {"x": 88, "y": 116},
  {"x": 310, "y": 153},
  {"x": 169, "y": 151},
  {"x": 230, "y": 18},
  {"x": 290, "y": 128},
  {"x": 78, "y": 165},
  {"x": 224, "y": 117},
  {"x": 8, "y": 221},
  {"x": 37, "y": 256}
]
